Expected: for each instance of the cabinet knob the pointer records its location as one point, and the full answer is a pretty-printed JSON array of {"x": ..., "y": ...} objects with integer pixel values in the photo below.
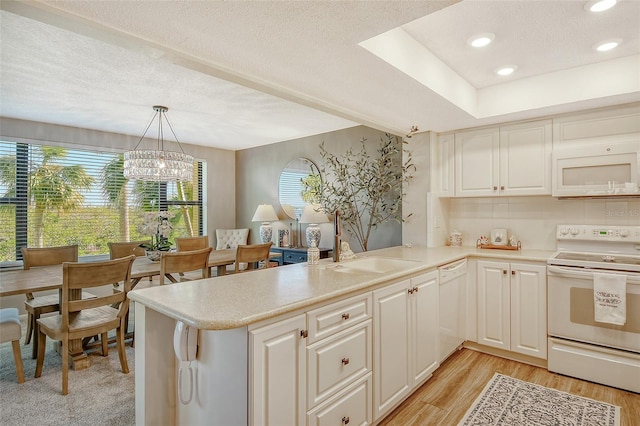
[
  {"x": 502, "y": 188},
  {"x": 415, "y": 289},
  {"x": 345, "y": 420},
  {"x": 513, "y": 272},
  {"x": 345, "y": 316},
  {"x": 504, "y": 272},
  {"x": 410, "y": 291},
  {"x": 304, "y": 334},
  {"x": 495, "y": 188},
  {"x": 345, "y": 361}
]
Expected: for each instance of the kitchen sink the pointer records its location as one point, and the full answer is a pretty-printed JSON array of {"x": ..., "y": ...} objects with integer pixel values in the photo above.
[{"x": 378, "y": 265}]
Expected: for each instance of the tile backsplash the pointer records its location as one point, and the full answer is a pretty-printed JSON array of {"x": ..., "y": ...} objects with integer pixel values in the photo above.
[{"x": 532, "y": 220}]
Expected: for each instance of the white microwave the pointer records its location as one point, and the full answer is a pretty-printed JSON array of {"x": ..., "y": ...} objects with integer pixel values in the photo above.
[{"x": 596, "y": 170}]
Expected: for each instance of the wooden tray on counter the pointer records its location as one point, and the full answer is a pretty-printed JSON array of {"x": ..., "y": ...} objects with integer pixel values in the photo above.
[{"x": 492, "y": 246}]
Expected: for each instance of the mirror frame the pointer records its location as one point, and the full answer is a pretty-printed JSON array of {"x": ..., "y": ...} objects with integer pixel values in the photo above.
[{"x": 298, "y": 168}]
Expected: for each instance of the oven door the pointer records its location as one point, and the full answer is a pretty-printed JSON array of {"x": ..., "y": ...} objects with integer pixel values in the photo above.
[{"x": 571, "y": 310}]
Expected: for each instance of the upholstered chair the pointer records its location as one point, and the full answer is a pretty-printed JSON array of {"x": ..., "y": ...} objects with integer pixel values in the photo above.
[{"x": 231, "y": 239}]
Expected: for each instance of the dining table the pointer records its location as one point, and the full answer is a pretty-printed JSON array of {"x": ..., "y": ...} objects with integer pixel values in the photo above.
[{"x": 43, "y": 278}]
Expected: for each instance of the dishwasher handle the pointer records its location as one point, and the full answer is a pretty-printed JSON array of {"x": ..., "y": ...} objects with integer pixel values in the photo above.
[{"x": 453, "y": 270}]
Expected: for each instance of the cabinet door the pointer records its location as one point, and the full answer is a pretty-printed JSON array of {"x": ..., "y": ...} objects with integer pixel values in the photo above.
[
  {"x": 423, "y": 326},
  {"x": 494, "y": 304},
  {"x": 477, "y": 159},
  {"x": 278, "y": 373},
  {"x": 529, "y": 309},
  {"x": 392, "y": 379},
  {"x": 525, "y": 158},
  {"x": 442, "y": 175}
]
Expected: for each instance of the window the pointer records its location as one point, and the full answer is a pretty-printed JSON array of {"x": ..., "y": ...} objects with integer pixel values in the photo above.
[{"x": 52, "y": 196}]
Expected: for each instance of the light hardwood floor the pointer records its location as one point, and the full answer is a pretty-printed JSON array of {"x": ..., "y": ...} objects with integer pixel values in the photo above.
[{"x": 445, "y": 398}]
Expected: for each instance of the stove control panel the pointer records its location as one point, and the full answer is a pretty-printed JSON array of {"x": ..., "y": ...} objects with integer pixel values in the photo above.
[{"x": 598, "y": 233}]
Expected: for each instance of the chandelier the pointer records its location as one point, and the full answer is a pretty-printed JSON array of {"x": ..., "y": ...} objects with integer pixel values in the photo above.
[{"x": 158, "y": 165}]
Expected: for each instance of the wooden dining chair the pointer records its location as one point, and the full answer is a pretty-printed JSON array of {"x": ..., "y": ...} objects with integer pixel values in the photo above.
[
  {"x": 81, "y": 318},
  {"x": 192, "y": 243},
  {"x": 253, "y": 255},
  {"x": 184, "y": 261},
  {"x": 37, "y": 306},
  {"x": 124, "y": 249}
]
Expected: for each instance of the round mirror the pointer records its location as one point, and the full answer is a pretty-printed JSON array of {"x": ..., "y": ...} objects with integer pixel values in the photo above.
[{"x": 290, "y": 185}]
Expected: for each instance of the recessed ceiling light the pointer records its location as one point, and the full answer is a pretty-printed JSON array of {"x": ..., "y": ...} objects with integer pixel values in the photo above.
[
  {"x": 480, "y": 40},
  {"x": 606, "y": 45},
  {"x": 506, "y": 70},
  {"x": 599, "y": 5}
]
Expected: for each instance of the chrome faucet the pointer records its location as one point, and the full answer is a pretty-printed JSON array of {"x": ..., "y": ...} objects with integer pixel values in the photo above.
[{"x": 336, "y": 236}]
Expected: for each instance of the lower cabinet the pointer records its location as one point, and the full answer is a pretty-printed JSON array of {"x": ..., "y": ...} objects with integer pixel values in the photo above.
[
  {"x": 322, "y": 367},
  {"x": 351, "y": 406},
  {"x": 512, "y": 307},
  {"x": 406, "y": 336},
  {"x": 278, "y": 371}
]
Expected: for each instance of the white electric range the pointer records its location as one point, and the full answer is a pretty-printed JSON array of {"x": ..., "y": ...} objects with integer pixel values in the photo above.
[{"x": 580, "y": 343}]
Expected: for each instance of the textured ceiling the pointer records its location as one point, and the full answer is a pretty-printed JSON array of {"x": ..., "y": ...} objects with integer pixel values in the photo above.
[{"x": 242, "y": 74}]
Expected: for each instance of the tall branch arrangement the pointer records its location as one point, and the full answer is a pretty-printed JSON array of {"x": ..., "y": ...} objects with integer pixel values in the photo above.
[{"x": 366, "y": 189}]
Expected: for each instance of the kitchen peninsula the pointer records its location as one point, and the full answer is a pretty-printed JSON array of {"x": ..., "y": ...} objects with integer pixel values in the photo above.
[{"x": 266, "y": 335}]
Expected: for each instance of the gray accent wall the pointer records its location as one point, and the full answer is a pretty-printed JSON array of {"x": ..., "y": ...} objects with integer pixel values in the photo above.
[{"x": 258, "y": 171}]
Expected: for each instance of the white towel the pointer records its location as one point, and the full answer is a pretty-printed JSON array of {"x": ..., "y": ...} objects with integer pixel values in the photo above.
[{"x": 610, "y": 298}]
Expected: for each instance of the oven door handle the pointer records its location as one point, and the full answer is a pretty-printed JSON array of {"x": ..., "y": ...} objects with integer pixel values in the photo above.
[{"x": 588, "y": 274}]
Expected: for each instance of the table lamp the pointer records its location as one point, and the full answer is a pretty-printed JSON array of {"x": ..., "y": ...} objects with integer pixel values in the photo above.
[
  {"x": 313, "y": 214},
  {"x": 265, "y": 213}
]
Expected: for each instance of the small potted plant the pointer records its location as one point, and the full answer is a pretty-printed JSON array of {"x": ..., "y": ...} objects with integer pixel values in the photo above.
[{"x": 158, "y": 227}]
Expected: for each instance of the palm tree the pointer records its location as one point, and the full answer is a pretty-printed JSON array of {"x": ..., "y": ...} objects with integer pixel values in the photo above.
[
  {"x": 115, "y": 189},
  {"x": 53, "y": 186}
]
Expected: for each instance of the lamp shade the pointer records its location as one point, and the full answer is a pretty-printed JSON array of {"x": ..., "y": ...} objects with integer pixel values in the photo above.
[
  {"x": 314, "y": 213},
  {"x": 265, "y": 213}
]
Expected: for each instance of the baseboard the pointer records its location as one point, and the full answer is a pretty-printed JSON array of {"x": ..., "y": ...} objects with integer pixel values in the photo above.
[{"x": 514, "y": 356}]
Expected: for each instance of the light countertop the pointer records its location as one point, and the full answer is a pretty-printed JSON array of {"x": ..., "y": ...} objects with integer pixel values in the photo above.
[{"x": 233, "y": 301}]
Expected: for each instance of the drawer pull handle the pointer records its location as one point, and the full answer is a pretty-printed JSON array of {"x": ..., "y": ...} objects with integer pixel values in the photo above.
[
  {"x": 345, "y": 420},
  {"x": 345, "y": 361},
  {"x": 345, "y": 316}
]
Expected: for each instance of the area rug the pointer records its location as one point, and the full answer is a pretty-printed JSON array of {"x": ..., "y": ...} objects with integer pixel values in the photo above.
[{"x": 509, "y": 401}]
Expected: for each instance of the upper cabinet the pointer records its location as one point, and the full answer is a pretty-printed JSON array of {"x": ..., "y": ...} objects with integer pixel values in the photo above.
[
  {"x": 620, "y": 124},
  {"x": 504, "y": 161},
  {"x": 443, "y": 165}
]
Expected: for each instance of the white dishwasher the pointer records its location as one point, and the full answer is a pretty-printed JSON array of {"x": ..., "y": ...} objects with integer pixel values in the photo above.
[{"x": 452, "y": 295}]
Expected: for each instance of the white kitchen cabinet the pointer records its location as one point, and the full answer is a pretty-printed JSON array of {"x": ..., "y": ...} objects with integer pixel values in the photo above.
[
  {"x": 610, "y": 125},
  {"x": 405, "y": 338},
  {"x": 477, "y": 158},
  {"x": 278, "y": 373},
  {"x": 512, "y": 308},
  {"x": 442, "y": 170},
  {"x": 339, "y": 355},
  {"x": 505, "y": 161}
]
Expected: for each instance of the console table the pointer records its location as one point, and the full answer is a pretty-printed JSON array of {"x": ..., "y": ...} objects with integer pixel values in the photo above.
[{"x": 296, "y": 255}]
